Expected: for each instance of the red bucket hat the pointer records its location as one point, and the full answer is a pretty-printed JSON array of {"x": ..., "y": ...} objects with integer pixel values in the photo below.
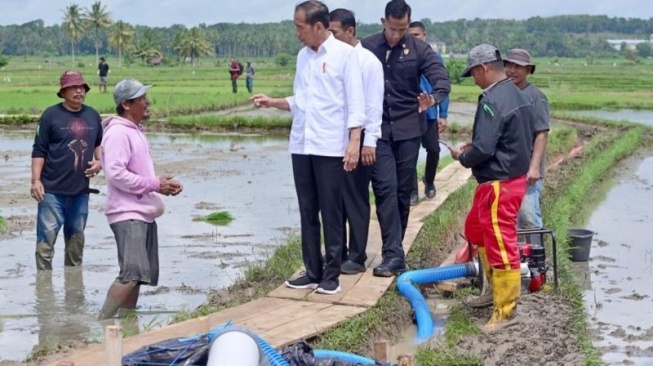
[{"x": 71, "y": 78}]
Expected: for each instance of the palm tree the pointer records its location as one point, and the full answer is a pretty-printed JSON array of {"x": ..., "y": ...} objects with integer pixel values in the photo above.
[
  {"x": 147, "y": 46},
  {"x": 193, "y": 43},
  {"x": 73, "y": 26},
  {"x": 121, "y": 36},
  {"x": 97, "y": 18}
]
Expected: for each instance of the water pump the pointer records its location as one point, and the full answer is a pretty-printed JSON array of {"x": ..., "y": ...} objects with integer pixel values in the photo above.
[{"x": 533, "y": 264}]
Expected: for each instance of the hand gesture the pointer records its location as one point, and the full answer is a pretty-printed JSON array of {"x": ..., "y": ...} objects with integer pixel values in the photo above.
[
  {"x": 37, "y": 191},
  {"x": 425, "y": 101},
  {"x": 533, "y": 175},
  {"x": 368, "y": 155},
  {"x": 261, "y": 101},
  {"x": 93, "y": 169},
  {"x": 351, "y": 155},
  {"x": 442, "y": 125},
  {"x": 169, "y": 187}
]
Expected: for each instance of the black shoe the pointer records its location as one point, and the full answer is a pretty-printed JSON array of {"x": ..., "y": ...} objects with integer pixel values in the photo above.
[
  {"x": 429, "y": 190},
  {"x": 390, "y": 267},
  {"x": 351, "y": 267},
  {"x": 328, "y": 287},
  {"x": 301, "y": 283},
  {"x": 414, "y": 198}
]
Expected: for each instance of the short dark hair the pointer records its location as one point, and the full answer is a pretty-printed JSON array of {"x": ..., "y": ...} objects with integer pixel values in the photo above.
[
  {"x": 397, "y": 9},
  {"x": 345, "y": 17},
  {"x": 496, "y": 65},
  {"x": 120, "y": 110},
  {"x": 102, "y": 59},
  {"x": 417, "y": 24},
  {"x": 315, "y": 11}
]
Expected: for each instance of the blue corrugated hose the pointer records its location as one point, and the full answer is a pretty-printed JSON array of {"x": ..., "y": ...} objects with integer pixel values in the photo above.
[{"x": 405, "y": 285}]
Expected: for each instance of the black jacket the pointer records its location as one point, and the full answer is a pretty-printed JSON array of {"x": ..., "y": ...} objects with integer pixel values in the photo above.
[
  {"x": 403, "y": 66},
  {"x": 502, "y": 138}
]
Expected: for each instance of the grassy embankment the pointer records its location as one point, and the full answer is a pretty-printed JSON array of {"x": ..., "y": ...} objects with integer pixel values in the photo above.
[{"x": 562, "y": 209}]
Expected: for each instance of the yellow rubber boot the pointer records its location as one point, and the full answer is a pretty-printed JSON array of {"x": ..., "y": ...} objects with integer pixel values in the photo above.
[
  {"x": 486, "y": 298},
  {"x": 506, "y": 285}
]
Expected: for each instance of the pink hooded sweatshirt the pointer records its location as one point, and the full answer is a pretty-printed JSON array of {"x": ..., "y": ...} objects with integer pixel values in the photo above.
[{"x": 132, "y": 184}]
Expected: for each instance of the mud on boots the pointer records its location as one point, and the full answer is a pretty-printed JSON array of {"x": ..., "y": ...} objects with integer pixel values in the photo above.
[
  {"x": 485, "y": 299},
  {"x": 506, "y": 286}
]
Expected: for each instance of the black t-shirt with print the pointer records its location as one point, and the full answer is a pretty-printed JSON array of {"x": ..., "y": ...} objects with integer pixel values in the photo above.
[{"x": 66, "y": 140}]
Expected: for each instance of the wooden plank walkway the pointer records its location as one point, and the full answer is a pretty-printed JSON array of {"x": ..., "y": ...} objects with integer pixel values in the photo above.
[{"x": 285, "y": 315}]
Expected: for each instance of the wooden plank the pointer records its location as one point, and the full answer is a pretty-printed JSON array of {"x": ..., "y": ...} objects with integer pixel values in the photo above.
[
  {"x": 294, "y": 310},
  {"x": 382, "y": 351},
  {"x": 245, "y": 311},
  {"x": 310, "y": 326},
  {"x": 368, "y": 290},
  {"x": 113, "y": 345}
]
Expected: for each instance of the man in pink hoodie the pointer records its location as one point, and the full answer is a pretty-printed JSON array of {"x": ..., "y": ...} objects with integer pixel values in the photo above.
[{"x": 134, "y": 196}]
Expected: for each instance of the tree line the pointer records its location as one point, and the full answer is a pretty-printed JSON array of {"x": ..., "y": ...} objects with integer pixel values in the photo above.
[{"x": 93, "y": 31}]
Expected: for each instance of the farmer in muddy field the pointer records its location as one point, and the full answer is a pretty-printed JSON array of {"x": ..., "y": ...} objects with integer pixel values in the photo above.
[
  {"x": 405, "y": 59},
  {"x": 65, "y": 155},
  {"x": 133, "y": 196},
  {"x": 499, "y": 156},
  {"x": 356, "y": 195},
  {"x": 328, "y": 108},
  {"x": 518, "y": 68}
]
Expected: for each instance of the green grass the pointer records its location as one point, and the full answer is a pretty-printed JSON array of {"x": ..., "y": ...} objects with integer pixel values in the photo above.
[
  {"x": 3, "y": 224},
  {"x": 218, "y": 218},
  {"x": 573, "y": 85},
  {"x": 186, "y": 92},
  {"x": 561, "y": 139},
  {"x": 178, "y": 91}
]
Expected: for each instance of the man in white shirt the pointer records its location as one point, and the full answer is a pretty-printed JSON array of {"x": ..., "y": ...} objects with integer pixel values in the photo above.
[
  {"x": 356, "y": 196},
  {"x": 328, "y": 110}
]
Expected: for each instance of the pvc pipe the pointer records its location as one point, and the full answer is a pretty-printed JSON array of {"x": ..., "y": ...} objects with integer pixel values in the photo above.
[
  {"x": 405, "y": 285},
  {"x": 343, "y": 356},
  {"x": 234, "y": 347}
]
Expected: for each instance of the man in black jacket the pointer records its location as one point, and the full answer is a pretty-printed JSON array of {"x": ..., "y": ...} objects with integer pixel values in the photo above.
[
  {"x": 405, "y": 59},
  {"x": 499, "y": 156}
]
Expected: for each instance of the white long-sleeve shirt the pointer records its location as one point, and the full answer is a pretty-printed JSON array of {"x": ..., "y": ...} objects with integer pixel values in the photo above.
[
  {"x": 373, "y": 85},
  {"x": 328, "y": 99}
]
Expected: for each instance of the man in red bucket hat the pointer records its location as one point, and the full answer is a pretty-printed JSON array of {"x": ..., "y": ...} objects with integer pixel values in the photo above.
[{"x": 66, "y": 153}]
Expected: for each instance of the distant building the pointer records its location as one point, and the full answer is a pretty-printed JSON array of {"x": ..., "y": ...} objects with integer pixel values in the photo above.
[
  {"x": 631, "y": 44},
  {"x": 437, "y": 45}
]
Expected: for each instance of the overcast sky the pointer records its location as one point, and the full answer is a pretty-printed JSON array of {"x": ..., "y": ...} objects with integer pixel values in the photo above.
[{"x": 193, "y": 12}]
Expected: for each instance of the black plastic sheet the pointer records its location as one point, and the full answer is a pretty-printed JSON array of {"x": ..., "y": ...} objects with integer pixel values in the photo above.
[{"x": 192, "y": 351}]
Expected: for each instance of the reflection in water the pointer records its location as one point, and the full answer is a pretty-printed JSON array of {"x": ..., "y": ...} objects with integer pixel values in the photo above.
[
  {"x": 619, "y": 299},
  {"x": 60, "y": 323},
  {"x": 631, "y": 115}
]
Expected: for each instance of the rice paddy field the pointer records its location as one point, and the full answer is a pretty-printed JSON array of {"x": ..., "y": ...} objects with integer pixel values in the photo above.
[{"x": 28, "y": 85}]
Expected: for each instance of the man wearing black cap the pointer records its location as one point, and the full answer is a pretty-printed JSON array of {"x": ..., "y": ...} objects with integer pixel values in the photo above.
[
  {"x": 499, "y": 156},
  {"x": 66, "y": 153},
  {"x": 518, "y": 68}
]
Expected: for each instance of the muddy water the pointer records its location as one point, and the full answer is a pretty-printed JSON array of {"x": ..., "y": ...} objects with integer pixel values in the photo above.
[
  {"x": 617, "y": 280},
  {"x": 232, "y": 173},
  {"x": 637, "y": 116},
  {"x": 249, "y": 176}
]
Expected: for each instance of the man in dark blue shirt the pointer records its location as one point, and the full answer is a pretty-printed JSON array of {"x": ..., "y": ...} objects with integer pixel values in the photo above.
[
  {"x": 67, "y": 141},
  {"x": 405, "y": 59}
]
